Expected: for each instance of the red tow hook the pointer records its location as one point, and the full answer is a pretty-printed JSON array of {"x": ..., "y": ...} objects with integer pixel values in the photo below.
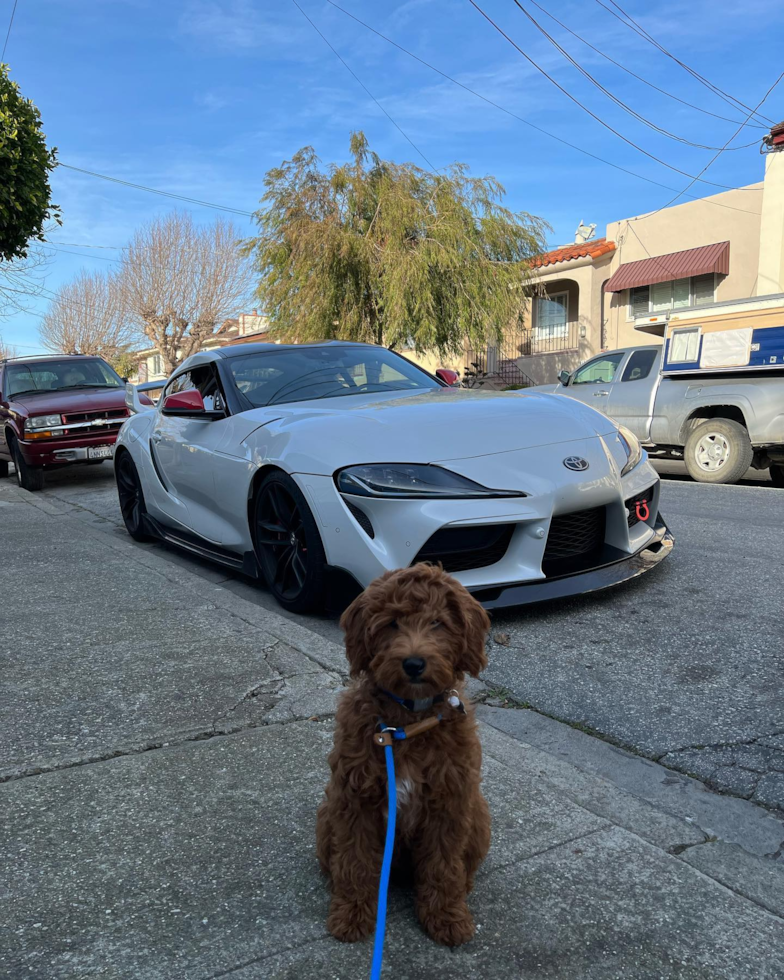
[{"x": 643, "y": 510}]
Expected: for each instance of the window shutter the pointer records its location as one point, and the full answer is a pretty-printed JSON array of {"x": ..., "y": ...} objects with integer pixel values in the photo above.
[
  {"x": 640, "y": 297},
  {"x": 702, "y": 287}
]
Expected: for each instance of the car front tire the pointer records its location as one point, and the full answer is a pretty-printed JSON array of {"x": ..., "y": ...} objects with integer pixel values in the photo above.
[
  {"x": 288, "y": 544},
  {"x": 131, "y": 497},
  {"x": 28, "y": 477},
  {"x": 718, "y": 451}
]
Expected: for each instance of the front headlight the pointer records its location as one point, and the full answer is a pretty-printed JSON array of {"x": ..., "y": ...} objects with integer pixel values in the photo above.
[
  {"x": 632, "y": 447},
  {"x": 43, "y": 422},
  {"x": 401, "y": 480}
]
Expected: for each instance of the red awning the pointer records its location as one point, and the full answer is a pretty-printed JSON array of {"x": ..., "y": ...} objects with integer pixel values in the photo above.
[{"x": 675, "y": 265}]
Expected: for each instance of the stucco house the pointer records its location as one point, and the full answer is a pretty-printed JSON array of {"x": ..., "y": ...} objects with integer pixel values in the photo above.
[{"x": 619, "y": 290}]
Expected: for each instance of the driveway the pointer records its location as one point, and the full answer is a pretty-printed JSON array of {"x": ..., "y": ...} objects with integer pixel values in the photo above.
[{"x": 685, "y": 666}]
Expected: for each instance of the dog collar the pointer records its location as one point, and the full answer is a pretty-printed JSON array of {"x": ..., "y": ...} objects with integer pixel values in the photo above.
[
  {"x": 422, "y": 704},
  {"x": 413, "y": 704}
]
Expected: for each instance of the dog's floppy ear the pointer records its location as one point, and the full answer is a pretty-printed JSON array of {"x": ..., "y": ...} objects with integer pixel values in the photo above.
[
  {"x": 353, "y": 623},
  {"x": 476, "y": 623}
]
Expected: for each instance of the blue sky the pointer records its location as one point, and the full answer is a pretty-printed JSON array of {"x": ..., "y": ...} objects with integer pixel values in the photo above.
[{"x": 202, "y": 97}]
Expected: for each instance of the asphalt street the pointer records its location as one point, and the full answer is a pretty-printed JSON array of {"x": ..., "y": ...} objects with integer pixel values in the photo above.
[{"x": 684, "y": 666}]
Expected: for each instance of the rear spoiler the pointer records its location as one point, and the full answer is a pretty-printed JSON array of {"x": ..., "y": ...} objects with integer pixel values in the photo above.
[{"x": 132, "y": 400}]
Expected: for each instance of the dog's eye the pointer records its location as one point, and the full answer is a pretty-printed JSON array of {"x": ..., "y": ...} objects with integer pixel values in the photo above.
[{"x": 393, "y": 625}]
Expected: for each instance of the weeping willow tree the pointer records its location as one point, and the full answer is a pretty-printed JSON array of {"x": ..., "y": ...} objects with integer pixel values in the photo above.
[{"x": 390, "y": 254}]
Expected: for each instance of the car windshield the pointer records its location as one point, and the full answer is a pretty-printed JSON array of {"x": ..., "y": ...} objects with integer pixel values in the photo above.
[
  {"x": 60, "y": 373},
  {"x": 305, "y": 373}
]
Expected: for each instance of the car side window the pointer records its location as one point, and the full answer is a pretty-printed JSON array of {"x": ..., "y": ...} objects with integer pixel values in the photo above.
[
  {"x": 205, "y": 380},
  {"x": 601, "y": 370},
  {"x": 640, "y": 364}
]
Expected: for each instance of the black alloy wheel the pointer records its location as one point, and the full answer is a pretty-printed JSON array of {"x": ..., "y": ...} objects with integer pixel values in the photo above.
[
  {"x": 129, "y": 490},
  {"x": 288, "y": 544}
]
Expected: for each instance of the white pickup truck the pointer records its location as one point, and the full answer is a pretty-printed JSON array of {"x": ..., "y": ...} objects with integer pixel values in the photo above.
[{"x": 719, "y": 424}]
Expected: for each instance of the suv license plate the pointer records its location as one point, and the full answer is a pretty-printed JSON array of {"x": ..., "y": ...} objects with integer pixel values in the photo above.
[{"x": 100, "y": 452}]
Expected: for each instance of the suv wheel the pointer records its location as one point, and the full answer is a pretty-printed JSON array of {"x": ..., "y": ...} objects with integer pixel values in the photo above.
[
  {"x": 28, "y": 477},
  {"x": 718, "y": 451},
  {"x": 288, "y": 544}
]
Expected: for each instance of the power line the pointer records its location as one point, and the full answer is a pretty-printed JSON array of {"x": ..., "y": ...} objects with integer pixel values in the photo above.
[
  {"x": 632, "y": 25},
  {"x": 359, "y": 80},
  {"x": 83, "y": 255},
  {"x": 613, "y": 98},
  {"x": 716, "y": 155},
  {"x": 155, "y": 190},
  {"x": 116, "y": 248},
  {"x": 8, "y": 33},
  {"x": 585, "y": 108},
  {"x": 628, "y": 71},
  {"x": 525, "y": 122}
]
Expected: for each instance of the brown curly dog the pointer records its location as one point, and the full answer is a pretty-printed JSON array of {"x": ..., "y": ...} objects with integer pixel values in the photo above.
[{"x": 410, "y": 639}]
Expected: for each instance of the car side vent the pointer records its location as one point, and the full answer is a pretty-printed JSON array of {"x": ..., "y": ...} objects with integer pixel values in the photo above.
[{"x": 362, "y": 519}]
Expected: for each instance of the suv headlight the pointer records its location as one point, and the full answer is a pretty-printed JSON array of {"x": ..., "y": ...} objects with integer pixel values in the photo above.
[
  {"x": 401, "y": 480},
  {"x": 42, "y": 422},
  {"x": 632, "y": 448}
]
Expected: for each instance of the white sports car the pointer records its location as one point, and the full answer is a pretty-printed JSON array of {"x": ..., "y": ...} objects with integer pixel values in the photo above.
[{"x": 301, "y": 464}]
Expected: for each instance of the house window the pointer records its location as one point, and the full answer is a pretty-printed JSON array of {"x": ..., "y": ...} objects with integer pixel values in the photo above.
[
  {"x": 157, "y": 364},
  {"x": 662, "y": 297},
  {"x": 552, "y": 317},
  {"x": 684, "y": 345}
]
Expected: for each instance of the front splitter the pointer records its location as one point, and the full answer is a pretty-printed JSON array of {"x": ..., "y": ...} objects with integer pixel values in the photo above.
[{"x": 581, "y": 583}]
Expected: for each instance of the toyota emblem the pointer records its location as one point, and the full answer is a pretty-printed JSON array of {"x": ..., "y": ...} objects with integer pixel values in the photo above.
[{"x": 576, "y": 463}]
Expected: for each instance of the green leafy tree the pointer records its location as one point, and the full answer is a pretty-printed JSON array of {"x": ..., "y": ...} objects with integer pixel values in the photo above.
[
  {"x": 390, "y": 253},
  {"x": 25, "y": 163}
]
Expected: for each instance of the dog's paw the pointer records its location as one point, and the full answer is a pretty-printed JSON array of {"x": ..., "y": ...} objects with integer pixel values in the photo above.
[
  {"x": 350, "y": 921},
  {"x": 450, "y": 926}
]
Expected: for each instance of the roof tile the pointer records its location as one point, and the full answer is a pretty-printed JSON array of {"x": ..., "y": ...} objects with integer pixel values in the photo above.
[{"x": 579, "y": 250}]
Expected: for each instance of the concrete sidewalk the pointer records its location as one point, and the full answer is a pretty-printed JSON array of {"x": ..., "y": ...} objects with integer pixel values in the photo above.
[{"x": 163, "y": 745}]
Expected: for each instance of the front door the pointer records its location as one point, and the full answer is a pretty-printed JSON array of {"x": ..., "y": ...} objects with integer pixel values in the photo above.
[
  {"x": 593, "y": 382},
  {"x": 184, "y": 449}
]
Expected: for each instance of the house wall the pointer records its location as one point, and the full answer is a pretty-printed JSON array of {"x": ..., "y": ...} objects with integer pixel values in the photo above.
[
  {"x": 771, "y": 258},
  {"x": 583, "y": 279},
  {"x": 736, "y": 219}
]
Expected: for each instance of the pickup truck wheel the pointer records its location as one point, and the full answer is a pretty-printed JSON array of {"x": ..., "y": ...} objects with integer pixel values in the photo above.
[
  {"x": 777, "y": 474},
  {"x": 718, "y": 451},
  {"x": 28, "y": 477}
]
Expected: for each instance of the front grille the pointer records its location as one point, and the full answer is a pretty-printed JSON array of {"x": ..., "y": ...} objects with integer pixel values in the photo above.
[
  {"x": 461, "y": 548},
  {"x": 574, "y": 541},
  {"x": 108, "y": 421},
  {"x": 631, "y": 506}
]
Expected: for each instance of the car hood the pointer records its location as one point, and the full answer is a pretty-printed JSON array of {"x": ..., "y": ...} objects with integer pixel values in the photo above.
[
  {"x": 63, "y": 402},
  {"x": 448, "y": 423}
]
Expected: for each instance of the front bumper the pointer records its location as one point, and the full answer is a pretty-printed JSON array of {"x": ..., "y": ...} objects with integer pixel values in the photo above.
[
  {"x": 55, "y": 452},
  {"x": 603, "y": 576}
]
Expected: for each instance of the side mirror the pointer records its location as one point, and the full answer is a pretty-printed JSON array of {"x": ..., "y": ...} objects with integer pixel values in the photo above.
[
  {"x": 448, "y": 376},
  {"x": 189, "y": 404},
  {"x": 563, "y": 377}
]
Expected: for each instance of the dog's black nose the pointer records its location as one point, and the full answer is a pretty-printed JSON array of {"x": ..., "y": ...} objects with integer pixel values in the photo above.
[{"x": 414, "y": 666}]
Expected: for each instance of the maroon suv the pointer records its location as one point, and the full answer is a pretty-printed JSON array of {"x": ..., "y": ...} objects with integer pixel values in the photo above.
[{"x": 56, "y": 410}]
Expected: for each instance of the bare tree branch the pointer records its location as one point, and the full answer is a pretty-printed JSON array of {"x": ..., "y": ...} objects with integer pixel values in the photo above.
[
  {"x": 180, "y": 281},
  {"x": 87, "y": 316}
]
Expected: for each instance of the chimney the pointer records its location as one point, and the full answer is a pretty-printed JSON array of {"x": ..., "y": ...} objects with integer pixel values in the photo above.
[{"x": 770, "y": 273}]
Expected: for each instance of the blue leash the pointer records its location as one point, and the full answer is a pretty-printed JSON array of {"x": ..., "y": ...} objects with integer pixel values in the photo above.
[
  {"x": 394, "y": 735},
  {"x": 386, "y": 864}
]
